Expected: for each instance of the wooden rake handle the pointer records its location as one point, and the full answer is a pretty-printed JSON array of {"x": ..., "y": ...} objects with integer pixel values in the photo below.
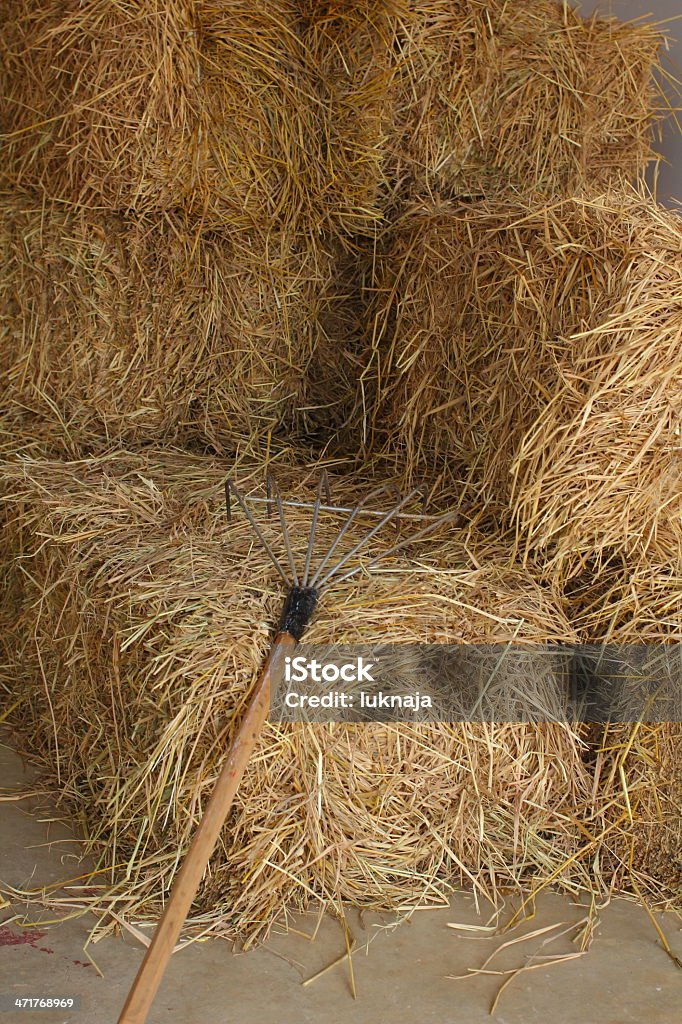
[{"x": 153, "y": 967}]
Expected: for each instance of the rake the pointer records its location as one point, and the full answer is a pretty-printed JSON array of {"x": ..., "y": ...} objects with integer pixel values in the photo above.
[{"x": 303, "y": 592}]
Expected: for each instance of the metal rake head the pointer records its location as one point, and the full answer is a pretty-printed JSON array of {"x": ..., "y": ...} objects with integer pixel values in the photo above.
[{"x": 317, "y": 579}]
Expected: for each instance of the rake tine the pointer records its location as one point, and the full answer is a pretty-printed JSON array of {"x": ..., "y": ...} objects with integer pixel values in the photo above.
[
  {"x": 324, "y": 481},
  {"x": 344, "y": 528},
  {"x": 285, "y": 531},
  {"x": 327, "y": 487},
  {"x": 231, "y": 488},
  {"x": 391, "y": 514},
  {"x": 270, "y": 482},
  {"x": 228, "y": 500},
  {"x": 403, "y": 544}
]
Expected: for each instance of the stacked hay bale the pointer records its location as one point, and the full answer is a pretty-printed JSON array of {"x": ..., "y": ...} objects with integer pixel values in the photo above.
[
  {"x": 165, "y": 227},
  {"x": 443, "y": 97},
  {"x": 148, "y": 616},
  {"x": 129, "y": 329},
  {"x": 532, "y": 346},
  {"x": 146, "y": 107},
  {"x": 195, "y": 215},
  {"x": 536, "y": 346},
  {"x": 209, "y": 104},
  {"x": 533, "y": 95},
  {"x": 283, "y": 129},
  {"x": 525, "y": 340}
]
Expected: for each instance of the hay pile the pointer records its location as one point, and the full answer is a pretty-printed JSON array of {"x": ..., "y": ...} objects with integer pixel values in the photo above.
[
  {"x": 204, "y": 206},
  {"x": 125, "y": 330},
  {"x": 306, "y": 113},
  {"x": 230, "y": 153},
  {"x": 149, "y": 107},
  {"x": 523, "y": 94},
  {"x": 144, "y": 620},
  {"x": 536, "y": 346}
]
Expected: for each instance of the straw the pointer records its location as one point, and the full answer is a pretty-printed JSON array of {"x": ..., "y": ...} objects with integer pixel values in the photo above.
[
  {"x": 142, "y": 620},
  {"x": 127, "y": 330},
  {"x": 305, "y": 114},
  {"x": 146, "y": 107},
  {"x": 532, "y": 95},
  {"x": 535, "y": 348}
]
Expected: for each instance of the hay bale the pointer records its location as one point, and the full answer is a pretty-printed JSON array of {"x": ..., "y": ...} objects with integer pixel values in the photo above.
[
  {"x": 538, "y": 346},
  {"x": 523, "y": 94},
  {"x": 147, "y": 107},
  {"x": 450, "y": 98},
  {"x": 636, "y": 772},
  {"x": 133, "y": 329},
  {"x": 301, "y": 114},
  {"x": 144, "y": 619},
  {"x": 353, "y": 53},
  {"x": 637, "y": 611}
]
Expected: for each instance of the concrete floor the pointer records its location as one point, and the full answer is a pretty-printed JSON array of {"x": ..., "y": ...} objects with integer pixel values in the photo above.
[{"x": 625, "y": 977}]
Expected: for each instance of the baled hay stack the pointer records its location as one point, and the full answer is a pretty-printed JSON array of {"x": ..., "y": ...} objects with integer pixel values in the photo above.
[
  {"x": 144, "y": 619},
  {"x": 146, "y": 106},
  {"x": 529, "y": 94},
  {"x": 443, "y": 96},
  {"x": 134, "y": 329},
  {"x": 541, "y": 345},
  {"x": 637, "y": 765},
  {"x": 353, "y": 51},
  {"x": 282, "y": 111}
]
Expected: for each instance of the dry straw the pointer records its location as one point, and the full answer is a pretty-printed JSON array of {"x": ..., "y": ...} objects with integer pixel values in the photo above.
[
  {"x": 450, "y": 97},
  {"x": 529, "y": 94},
  {"x": 299, "y": 114},
  {"x": 147, "y": 106},
  {"x": 354, "y": 57},
  {"x": 621, "y": 603},
  {"x": 144, "y": 618},
  {"x": 636, "y": 767},
  {"x": 637, "y": 774},
  {"x": 130, "y": 330},
  {"x": 538, "y": 345},
  {"x": 209, "y": 152}
]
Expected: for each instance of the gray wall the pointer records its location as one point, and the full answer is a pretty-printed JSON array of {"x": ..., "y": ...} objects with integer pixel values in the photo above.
[{"x": 669, "y": 183}]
